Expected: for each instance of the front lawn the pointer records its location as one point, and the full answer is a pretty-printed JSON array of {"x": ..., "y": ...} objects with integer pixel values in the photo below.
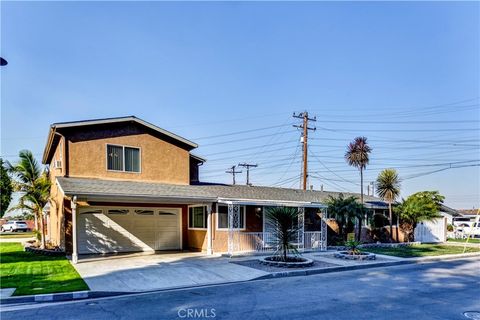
[
  {"x": 471, "y": 240},
  {"x": 7, "y": 235},
  {"x": 421, "y": 250},
  {"x": 35, "y": 274}
]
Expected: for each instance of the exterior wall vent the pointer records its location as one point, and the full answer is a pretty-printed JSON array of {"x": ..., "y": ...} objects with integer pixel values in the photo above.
[{"x": 57, "y": 164}]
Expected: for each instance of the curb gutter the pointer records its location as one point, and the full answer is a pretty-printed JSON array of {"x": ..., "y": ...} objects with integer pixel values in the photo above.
[{"x": 69, "y": 296}]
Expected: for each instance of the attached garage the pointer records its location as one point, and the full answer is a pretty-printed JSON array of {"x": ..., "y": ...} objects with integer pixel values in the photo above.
[{"x": 120, "y": 229}]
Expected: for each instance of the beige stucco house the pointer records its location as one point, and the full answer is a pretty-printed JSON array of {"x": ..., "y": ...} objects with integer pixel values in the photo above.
[{"x": 125, "y": 185}]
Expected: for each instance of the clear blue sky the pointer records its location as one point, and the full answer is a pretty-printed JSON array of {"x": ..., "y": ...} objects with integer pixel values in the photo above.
[{"x": 405, "y": 75}]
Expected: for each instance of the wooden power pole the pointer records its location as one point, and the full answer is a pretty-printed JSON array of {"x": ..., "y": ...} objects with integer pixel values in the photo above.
[
  {"x": 248, "y": 166},
  {"x": 306, "y": 128},
  {"x": 233, "y": 172}
]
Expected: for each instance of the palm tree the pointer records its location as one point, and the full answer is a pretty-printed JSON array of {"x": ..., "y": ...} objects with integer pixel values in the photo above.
[
  {"x": 33, "y": 184},
  {"x": 388, "y": 188},
  {"x": 357, "y": 156},
  {"x": 284, "y": 221},
  {"x": 345, "y": 211},
  {"x": 420, "y": 206}
]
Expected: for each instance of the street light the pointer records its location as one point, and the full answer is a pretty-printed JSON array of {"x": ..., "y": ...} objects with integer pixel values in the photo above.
[{"x": 3, "y": 62}]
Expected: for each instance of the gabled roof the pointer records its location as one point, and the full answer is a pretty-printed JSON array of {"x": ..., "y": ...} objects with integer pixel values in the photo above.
[
  {"x": 72, "y": 124},
  {"x": 144, "y": 191}
]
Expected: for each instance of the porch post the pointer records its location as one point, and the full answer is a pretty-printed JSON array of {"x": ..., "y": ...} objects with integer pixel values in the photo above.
[
  {"x": 301, "y": 228},
  {"x": 323, "y": 230},
  {"x": 209, "y": 229},
  {"x": 233, "y": 225},
  {"x": 74, "y": 230}
]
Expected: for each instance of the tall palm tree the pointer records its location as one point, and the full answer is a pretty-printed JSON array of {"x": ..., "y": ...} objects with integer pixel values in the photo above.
[
  {"x": 357, "y": 156},
  {"x": 33, "y": 184},
  {"x": 388, "y": 188}
]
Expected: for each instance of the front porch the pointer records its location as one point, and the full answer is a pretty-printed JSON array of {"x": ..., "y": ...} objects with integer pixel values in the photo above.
[{"x": 311, "y": 235}]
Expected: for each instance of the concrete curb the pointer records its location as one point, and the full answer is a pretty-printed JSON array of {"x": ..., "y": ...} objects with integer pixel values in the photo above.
[
  {"x": 56, "y": 297},
  {"x": 398, "y": 262},
  {"x": 79, "y": 295}
]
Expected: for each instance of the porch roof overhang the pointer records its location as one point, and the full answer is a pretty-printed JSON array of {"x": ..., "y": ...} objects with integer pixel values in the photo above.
[{"x": 272, "y": 203}]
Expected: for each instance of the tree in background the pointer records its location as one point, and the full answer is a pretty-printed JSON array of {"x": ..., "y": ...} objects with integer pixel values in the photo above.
[
  {"x": 345, "y": 211},
  {"x": 357, "y": 156},
  {"x": 420, "y": 206},
  {"x": 6, "y": 189},
  {"x": 388, "y": 188},
  {"x": 34, "y": 185}
]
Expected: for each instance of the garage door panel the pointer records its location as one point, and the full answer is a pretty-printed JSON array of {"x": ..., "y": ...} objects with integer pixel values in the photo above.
[
  {"x": 101, "y": 236},
  {"x": 103, "y": 233}
]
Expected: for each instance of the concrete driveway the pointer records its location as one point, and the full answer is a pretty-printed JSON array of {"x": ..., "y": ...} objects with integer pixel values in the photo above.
[{"x": 137, "y": 273}]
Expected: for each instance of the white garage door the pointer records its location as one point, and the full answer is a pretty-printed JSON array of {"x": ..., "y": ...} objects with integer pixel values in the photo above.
[{"x": 112, "y": 229}]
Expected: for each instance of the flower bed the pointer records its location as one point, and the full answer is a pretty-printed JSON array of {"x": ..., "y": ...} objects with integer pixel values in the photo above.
[
  {"x": 57, "y": 252},
  {"x": 376, "y": 245},
  {"x": 292, "y": 262},
  {"x": 356, "y": 256}
]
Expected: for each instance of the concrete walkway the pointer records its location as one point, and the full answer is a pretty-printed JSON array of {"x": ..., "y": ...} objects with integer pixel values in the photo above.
[
  {"x": 161, "y": 271},
  {"x": 21, "y": 240}
]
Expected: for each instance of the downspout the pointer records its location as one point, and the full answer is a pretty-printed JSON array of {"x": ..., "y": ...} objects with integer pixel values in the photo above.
[
  {"x": 209, "y": 229},
  {"x": 74, "y": 230}
]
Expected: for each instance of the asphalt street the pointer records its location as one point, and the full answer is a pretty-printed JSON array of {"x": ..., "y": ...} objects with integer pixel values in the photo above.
[{"x": 441, "y": 290}]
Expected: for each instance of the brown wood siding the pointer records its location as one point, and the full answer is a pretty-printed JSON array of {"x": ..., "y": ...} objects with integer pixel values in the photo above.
[{"x": 253, "y": 223}]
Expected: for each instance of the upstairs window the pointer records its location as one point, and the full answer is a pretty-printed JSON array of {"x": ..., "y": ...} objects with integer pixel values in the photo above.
[{"x": 121, "y": 158}]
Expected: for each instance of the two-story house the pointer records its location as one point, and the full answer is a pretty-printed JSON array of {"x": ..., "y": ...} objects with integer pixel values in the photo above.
[{"x": 125, "y": 185}]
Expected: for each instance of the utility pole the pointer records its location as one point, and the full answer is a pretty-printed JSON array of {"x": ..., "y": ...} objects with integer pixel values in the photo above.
[
  {"x": 305, "y": 127},
  {"x": 233, "y": 172},
  {"x": 373, "y": 188},
  {"x": 248, "y": 166}
]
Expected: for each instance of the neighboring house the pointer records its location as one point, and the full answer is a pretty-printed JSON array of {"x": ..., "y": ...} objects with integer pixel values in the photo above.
[{"x": 125, "y": 185}]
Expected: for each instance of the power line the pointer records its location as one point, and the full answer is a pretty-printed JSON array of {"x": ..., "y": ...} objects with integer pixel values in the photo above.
[
  {"x": 233, "y": 172},
  {"x": 240, "y": 140},
  {"x": 248, "y": 166},
  {"x": 292, "y": 160},
  {"x": 318, "y": 159},
  {"x": 241, "y": 132},
  {"x": 398, "y": 130}
]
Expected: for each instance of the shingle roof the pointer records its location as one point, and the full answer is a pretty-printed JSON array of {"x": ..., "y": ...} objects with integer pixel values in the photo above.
[{"x": 88, "y": 187}]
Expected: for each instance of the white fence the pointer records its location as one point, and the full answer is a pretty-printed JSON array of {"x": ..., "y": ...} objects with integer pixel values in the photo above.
[
  {"x": 431, "y": 231},
  {"x": 265, "y": 241}
]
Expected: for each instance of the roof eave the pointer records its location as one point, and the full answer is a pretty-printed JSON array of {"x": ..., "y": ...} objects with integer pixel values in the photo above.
[
  {"x": 48, "y": 145},
  {"x": 109, "y": 197},
  {"x": 59, "y": 125}
]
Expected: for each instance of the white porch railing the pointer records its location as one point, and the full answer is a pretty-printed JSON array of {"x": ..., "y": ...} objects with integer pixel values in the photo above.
[
  {"x": 264, "y": 241},
  {"x": 313, "y": 240},
  {"x": 253, "y": 241}
]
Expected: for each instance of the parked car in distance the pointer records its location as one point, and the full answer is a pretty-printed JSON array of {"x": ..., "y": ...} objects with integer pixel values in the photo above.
[
  {"x": 472, "y": 229},
  {"x": 15, "y": 226}
]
